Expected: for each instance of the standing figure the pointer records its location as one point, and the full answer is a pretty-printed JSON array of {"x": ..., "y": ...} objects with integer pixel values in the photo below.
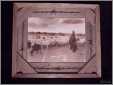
[{"x": 73, "y": 42}]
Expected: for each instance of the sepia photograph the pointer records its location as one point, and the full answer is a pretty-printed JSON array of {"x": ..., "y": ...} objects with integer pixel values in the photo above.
[{"x": 56, "y": 40}]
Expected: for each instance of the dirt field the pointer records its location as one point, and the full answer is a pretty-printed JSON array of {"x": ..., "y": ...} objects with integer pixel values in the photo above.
[{"x": 59, "y": 54}]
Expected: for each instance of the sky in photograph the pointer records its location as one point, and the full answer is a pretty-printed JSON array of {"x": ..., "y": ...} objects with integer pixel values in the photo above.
[{"x": 56, "y": 25}]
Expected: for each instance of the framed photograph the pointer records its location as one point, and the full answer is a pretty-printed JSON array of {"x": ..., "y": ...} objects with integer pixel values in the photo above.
[{"x": 56, "y": 40}]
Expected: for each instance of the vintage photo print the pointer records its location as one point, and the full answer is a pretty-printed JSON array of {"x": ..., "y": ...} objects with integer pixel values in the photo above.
[{"x": 56, "y": 41}]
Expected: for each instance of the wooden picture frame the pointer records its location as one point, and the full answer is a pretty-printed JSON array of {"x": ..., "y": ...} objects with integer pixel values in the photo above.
[{"x": 21, "y": 68}]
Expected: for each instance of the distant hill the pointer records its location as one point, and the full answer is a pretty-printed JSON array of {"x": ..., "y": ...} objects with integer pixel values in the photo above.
[{"x": 52, "y": 34}]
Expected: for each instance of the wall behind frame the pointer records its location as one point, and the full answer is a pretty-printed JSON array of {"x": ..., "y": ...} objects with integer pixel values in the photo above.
[{"x": 106, "y": 35}]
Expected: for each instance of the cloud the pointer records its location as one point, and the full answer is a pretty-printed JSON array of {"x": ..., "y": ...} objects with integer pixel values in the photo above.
[
  {"x": 71, "y": 21},
  {"x": 65, "y": 25},
  {"x": 41, "y": 22}
]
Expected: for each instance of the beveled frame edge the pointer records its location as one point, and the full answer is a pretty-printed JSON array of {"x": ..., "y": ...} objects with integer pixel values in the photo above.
[
  {"x": 98, "y": 42},
  {"x": 14, "y": 43}
]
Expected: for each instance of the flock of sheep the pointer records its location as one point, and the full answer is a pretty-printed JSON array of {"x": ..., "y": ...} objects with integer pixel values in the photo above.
[{"x": 46, "y": 43}]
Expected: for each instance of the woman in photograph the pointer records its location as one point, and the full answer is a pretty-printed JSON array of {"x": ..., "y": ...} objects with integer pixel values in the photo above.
[{"x": 73, "y": 42}]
